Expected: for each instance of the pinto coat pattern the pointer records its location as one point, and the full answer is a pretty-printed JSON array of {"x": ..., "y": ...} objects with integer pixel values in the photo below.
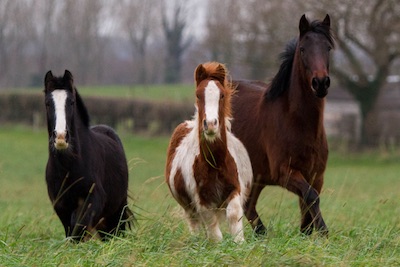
[{"x": 208, "y": 170}]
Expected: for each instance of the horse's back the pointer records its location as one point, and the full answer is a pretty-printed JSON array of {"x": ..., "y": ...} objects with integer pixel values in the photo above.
[
  {"x": 246, "y": 98},
  {"x": 108, "y": 132},
  {"x": 108, "y": 148},
  {"x": 249, "y": 85}
]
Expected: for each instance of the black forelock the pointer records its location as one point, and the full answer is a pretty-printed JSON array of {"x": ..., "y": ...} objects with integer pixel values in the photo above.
[{"x": 321, "y": 28}]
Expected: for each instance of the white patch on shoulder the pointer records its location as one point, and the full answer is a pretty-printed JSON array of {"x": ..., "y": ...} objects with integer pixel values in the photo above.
[
  {"x": 185, "y": 155},
  {"x": 242, "y": 160},
  {"x": 59, "y": 98}
]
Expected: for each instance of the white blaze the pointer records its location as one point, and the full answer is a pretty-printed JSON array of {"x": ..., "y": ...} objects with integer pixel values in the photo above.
[
  {"x": 59, "y": 98},
  {"x": 212, "y": 95}
]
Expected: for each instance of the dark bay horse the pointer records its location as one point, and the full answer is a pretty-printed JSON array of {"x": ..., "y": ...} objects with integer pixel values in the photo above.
[
  {"x": 208, "y": 170},
  {"x": 87, "y": 172},
  {"x": 281, "y": 124}
]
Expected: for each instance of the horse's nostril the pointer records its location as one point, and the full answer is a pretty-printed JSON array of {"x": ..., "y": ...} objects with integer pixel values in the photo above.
[
  {"x": 205, "y": 125},
  {"x": 327, "y": 82},
  {"x": 315, "y": 83},
  {"x": 215, "y": 122}
]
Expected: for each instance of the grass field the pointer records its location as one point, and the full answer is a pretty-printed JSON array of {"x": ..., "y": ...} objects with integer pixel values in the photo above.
[{"x": 360, "y": 204}]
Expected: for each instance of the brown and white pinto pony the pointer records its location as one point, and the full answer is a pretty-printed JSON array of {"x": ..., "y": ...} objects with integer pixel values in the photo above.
[
  {"x": 281, "y": 124},
  {"x": 208, "y": 170}
]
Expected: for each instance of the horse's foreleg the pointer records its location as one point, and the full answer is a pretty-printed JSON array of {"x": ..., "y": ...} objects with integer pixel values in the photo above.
[
  {"x": 306, "y": 225},
  {"x": 211, "y": 222},
  {"x": 296, "y": 183},
  {"x": 193, "y": 220},
  {"x": 87, "y": 216},
  {"x": 234, "y": 215},
  {"x": 250, "y": 209}
]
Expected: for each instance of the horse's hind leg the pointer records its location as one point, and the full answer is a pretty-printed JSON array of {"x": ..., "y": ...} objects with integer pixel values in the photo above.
[
  {"x": 250, "y": 210},
  {"x": 234, "y": 214}
]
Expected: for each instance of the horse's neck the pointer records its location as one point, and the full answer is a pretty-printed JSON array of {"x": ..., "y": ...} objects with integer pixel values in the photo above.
[
  {"x": 301, "y": 99},
  {"x": 303, "y": 107},
  {"x": 217, "y": 148}
]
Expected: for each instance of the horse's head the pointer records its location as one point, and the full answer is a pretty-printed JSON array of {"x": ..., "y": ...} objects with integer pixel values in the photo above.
[
  {"x": 60, "y": 106},
  {"x": 314, "y": 45},
  {"x": 212, "y": 99}
]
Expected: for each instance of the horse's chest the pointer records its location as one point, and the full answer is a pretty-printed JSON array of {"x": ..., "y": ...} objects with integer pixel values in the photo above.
[
  {"x": 309, "y": 159},
  {"x": 214, "y": 186}
]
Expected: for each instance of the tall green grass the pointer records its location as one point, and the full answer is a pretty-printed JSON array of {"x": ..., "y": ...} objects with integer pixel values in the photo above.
[{"x": 360, "y": 204}]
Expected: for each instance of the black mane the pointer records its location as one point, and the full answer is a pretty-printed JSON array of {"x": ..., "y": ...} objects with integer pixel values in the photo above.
[
  {"x": 82, "y": 110},
  {"x": 281, "y": 82}
]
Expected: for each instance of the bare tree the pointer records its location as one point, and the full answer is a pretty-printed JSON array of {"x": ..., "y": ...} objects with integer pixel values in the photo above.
[
  {"x": 16, "y": 34},
  {"x": 5, "y": 23},
  {"x": 78, "y": 37},
  {"x": 222, "y": 22},
  {"x": 250, "y": 35},
  {"x": 267, "y": 27},
  {"x": 368, "y": 38},
  {"x": 138, "y": 21},
  {"x": 174, "y": 27}
]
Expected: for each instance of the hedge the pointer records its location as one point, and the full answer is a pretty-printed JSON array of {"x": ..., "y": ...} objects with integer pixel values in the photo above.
[{"x": 137, "y": 116}]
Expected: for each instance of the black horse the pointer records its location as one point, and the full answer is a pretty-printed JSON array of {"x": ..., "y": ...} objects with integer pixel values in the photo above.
[{"x": 87, "y": 172}]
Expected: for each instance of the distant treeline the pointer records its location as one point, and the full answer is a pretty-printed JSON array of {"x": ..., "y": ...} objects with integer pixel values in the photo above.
[{"x": 133, "y": 115}]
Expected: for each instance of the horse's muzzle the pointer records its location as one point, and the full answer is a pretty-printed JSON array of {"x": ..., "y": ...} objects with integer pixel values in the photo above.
[
  {"x": 320, "y": 86},
  {"x": 210, "y": 128},
  {"x": 61, "y": 141}
]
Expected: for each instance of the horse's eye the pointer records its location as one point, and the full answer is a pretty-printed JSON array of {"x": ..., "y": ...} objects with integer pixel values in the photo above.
[
  {"x": 329, "y": 48},
  {"x": 222, "y": 96},
  {"x": 302, "y": 50}
]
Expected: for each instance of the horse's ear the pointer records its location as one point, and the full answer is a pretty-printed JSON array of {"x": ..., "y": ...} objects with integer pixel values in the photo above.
[
  {"x": 304, "y": 25},
  {"x": 327, "y": 21},
  {"x": 220, "y": 73},
  {"x": 68, "y": 76},
  {"x": 200, "y": 74},
  {"x": 47, "y": 78}
]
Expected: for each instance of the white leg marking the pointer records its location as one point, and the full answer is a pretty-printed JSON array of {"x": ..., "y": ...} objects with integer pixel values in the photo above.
[
  {"x": 211, "y": 222},
  {"x": 59, "y": 98},
  {"x": 234, "y": 215},
  {"x": 193, "y": 221}
]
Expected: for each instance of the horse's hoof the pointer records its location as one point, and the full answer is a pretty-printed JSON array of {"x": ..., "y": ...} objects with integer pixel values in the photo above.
[{"x": 260, "y": 230}]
